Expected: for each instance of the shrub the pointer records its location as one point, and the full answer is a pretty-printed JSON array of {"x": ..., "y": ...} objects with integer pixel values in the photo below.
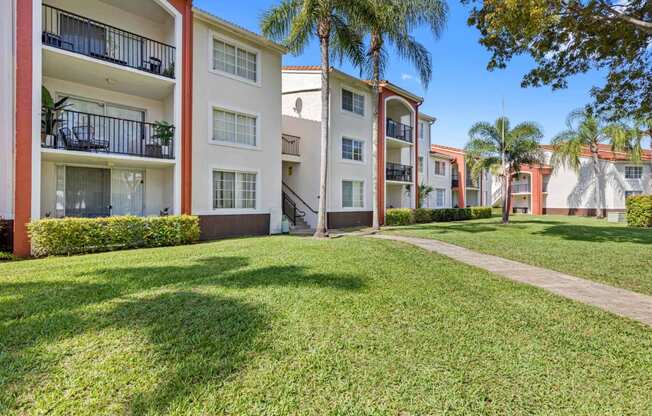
[
  {"x": 399, "y": 216},
  {"x": 639, "y": 211},
  {"x": 481, "y": 212},
  {"x": 87, "y": 235},
  {"x": 423, "y": 215}
]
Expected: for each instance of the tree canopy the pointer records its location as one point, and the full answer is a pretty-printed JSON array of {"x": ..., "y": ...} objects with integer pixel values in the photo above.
[{"x": 568, "y": 37}]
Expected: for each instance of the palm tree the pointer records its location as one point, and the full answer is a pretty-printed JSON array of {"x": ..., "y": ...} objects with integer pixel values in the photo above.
[
  {"x": 388, "y": 23},
  {"x": 295, "y": 22},
  {"x": 503, "y": 150},
  {"x": 587, "y": 131}
]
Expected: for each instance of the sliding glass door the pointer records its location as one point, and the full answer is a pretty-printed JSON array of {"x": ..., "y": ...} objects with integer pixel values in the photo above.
[{"x": 127, "y": 193}]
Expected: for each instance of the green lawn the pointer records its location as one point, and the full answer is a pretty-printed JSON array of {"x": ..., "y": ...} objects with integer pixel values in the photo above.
[
  {"x": 584, "y": 247},
  {"x": 286, "y": 325}
]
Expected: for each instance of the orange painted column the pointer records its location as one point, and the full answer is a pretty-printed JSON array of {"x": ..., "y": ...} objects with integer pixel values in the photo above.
[
  {"x": 380, "y": 192},
  {"x": 185, "y": 8},
  {"x": 537, "y": 191},
  {"x": 461, "y": 186},
  {"x": 24, "y": 139},
  {"x": 416, "y": 156}
]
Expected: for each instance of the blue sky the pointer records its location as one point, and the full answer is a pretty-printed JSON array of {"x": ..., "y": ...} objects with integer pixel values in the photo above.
[{"x": 462, "y": 91}]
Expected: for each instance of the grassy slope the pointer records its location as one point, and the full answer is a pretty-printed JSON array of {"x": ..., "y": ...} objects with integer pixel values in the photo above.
[
  {"x": 296, "y": 326},
  {"x": 584, "y": 247}
]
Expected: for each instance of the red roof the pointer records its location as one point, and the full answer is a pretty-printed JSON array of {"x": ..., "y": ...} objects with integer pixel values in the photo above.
[
  {"x": 439, "y": 147},
  {"x": 302, "y": 68},
  {"x": 605, "y": 152}
]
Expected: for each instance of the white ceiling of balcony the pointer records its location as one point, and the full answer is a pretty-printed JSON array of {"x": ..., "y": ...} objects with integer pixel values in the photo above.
[
  {"x": 148, "y": 8},
  {"x": 88, "y": 71}
]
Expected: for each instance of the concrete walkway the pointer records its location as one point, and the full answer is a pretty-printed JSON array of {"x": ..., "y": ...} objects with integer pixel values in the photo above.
[{"x": 619, "y": 301}]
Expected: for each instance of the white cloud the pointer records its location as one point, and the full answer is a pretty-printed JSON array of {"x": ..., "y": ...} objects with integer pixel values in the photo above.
[{"x": 406, "y": 77}]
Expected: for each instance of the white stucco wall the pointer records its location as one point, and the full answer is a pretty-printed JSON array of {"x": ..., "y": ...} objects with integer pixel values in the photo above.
[
  {"x": 342, "y": 124},
  {"x": 7, "y": 108},
  {"x": 211, "y": 89},
  {"x": 439, "y": 182}
]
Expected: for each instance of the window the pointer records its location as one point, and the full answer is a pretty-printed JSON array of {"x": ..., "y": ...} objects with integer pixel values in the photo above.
[
  {"x": 633, "y": 172},
  {"x": 233, "y": 127},
  {"x": 422, "y": 130},
  {"x": 352, "y": 149},
  {"x": 440, "y": 198},
  {"x": 235, "y": 60},
  {"x": 352, "y": 194},
  {"x": 420, "y": 164},
  {"x": 234, "y": 190},
  {"x": 353, "y": 102},
  {"x": 440, "y": 168}
]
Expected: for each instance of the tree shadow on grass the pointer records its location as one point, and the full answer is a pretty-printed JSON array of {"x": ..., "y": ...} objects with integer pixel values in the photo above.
[
  {"x": 598, "y": 234},
  {"x": 200, "y": 340}
]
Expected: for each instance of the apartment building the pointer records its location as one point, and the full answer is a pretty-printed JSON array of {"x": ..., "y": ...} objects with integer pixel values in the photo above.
[
  {"x": 168, "y": 110},
  {"x": 350, "y": 166},
  {"x": 466, "y": 191},
  {"x": 564, "y": 191}
]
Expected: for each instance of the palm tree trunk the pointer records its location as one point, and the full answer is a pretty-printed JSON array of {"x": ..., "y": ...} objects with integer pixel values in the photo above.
[
  {"x": 322, "y": 231},
  {"x": 599, "y": 214},
  {"x": 375, "y": 130}
]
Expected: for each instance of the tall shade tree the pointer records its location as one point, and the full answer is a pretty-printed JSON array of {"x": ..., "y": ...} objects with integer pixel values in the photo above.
[
  {"x": 389, "y": 25},
  {"x": 586, "y": 131},
  {"x": 295, "y": 23},
  {"x": 567, "y": 37},
  {"x": 503, "y": 150}
]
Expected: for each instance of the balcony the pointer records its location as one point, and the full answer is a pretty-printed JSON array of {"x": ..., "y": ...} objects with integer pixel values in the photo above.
[
  {"x": 520, "y": 188},
  {"x": 85, "y": 132},
  {"x": 398, "y": 131},
  {"x": 398, "y": 173},
  {"x": 455, "y": 182},
  {"x": 77, "y": 34},
  {"x": 290, "y": 145}
]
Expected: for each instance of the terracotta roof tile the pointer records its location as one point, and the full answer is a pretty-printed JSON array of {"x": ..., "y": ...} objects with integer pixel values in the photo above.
[{"x": 302, "y": 68}]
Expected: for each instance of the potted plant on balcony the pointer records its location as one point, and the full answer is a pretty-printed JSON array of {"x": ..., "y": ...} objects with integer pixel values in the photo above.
[
  {"x": 50, "y": 116},
  {"x": 163, "y": 135}
]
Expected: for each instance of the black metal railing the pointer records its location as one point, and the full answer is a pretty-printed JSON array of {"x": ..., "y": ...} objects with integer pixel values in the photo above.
[
  {"x": 455, "y": 183},
  {"x": 101, "y": 134},
  {"x": 78, "y": 34},
  {"x": 398, "y": 172},
  {"x": 290, "y": 145},
  {"x": 290, "y": 209},
  {"x": 520, "y": 188},
  {"x": 398, "y": 130}
]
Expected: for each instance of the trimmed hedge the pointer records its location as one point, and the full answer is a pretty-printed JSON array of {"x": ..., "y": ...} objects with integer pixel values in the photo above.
[
  {"x": 406, "y": 216},
  {"x": 89, "y": 235},
  {"x": 639, "y": 211},
  {"x": 399, "y": 216}
]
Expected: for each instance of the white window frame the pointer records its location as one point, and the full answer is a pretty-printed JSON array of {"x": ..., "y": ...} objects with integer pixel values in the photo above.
[
  {"x": 354, "y": 92},
  {"x": 231, "y": 211},
  {"x": 443, "y": 191},
  {"x": 229, "y": 109},
  {"x": 639, "y": 168},
  {"x": 364, "y": 151},
  {"x": 435, "y": 168},
  {"x": 422, "y": 130},
  {"x": 364, "y": 187},
  {"x": 421, "y": 164},
  {"x": 217, "y": 36}
]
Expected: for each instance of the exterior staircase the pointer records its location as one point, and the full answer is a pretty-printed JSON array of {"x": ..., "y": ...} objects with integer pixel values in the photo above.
[{"x": 301, "y": 228}]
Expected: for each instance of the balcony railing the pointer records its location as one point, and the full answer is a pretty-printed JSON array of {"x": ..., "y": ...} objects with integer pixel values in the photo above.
[
  {"x": 78, "y": 34},
  {"x": 455, "y": 183},
  {"x": 87, "y": 132},
  {"x": 397, "y": 172},
  {"x": 290, "y": 145},
  {"x": 520, "y": 188},
  {"x": 398, "y": 130}
]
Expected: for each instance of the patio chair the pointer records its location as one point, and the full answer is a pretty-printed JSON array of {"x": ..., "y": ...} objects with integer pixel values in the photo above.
[
  {"x": 66, "y": 138},
  {"x": 152, "y": 65},
  {"x": 85, "y": 135}
]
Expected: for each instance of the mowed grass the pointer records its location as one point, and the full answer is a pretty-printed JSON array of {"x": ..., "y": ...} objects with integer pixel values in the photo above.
[
  {"x": 585, "y": 247},
  {"x": 285, "y": 325}
]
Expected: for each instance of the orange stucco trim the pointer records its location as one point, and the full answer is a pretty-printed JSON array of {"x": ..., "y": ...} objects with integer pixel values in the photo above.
[
  {"x": 185, "y": 8},
  {"x": 536, "y": 186},
  {"x": 24, "y": 139}
]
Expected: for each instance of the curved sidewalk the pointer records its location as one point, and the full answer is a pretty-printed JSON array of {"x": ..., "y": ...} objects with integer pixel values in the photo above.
[{"x": 619, "y": 301}]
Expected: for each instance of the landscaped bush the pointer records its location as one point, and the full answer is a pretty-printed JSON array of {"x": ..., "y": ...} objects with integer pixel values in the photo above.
[
  {"x": 87, "y": 235},
  {"x": 399, "y": 216},
  {"x": 423, "y": 215},
  {"x": 639, "y": 211},
  {"x": 481, "y": 212}
]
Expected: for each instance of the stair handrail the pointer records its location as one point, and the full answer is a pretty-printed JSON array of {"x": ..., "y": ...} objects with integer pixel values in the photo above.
[
  {"x": 295, "y": 212},
  {"x": 299, "y": 198}
]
